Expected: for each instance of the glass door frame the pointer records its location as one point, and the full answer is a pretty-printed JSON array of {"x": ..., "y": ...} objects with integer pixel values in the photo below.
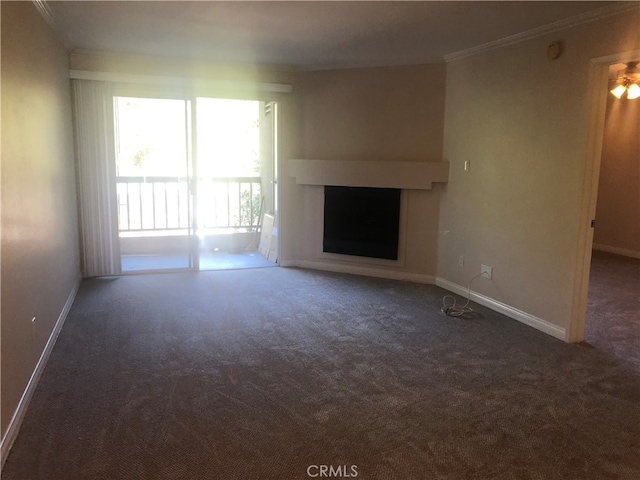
[
  {"x": 189, "y": 96},
  {"x": 169, "y": 93}
]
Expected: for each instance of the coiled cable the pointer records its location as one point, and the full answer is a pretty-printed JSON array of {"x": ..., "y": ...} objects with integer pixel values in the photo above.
[{"x": 450, "y": 305}]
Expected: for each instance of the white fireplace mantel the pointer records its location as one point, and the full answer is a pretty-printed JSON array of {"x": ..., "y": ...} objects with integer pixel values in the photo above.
[{"x": 405, "y": 175}]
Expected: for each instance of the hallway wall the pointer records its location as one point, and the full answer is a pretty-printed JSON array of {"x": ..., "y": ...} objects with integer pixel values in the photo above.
[{"x": 618, "y": 208}]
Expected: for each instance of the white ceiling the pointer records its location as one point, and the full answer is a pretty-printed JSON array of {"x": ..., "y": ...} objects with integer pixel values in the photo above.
[{"x": 301, "y": 35}]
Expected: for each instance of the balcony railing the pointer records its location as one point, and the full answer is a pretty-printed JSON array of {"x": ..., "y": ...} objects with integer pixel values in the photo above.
[{"x": 162, "y": 203}]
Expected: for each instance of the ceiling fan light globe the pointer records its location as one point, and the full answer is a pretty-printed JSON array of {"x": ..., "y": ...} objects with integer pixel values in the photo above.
[
  {"x": 618, "y": 91},
  {"x": 633, "y": 91}
]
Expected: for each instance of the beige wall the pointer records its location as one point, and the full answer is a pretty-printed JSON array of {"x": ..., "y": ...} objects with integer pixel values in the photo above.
[
  {"x": 377, "y": 114},
  {"x": 618, "y": 209},
  {"x": 520, "y": 120},
  {"x": 40, "y": 260},
  {"x": 389, "y": 114}
]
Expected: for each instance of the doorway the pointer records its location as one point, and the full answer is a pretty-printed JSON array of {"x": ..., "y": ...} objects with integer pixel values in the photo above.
[
  {"x": 195, "y": 180},
  {"x": 599, "y": 81},
  {"x": 612, "y": 323}
]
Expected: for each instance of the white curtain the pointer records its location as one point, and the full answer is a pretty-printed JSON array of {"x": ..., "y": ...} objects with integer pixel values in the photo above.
[{"x": 95, "y": 156}]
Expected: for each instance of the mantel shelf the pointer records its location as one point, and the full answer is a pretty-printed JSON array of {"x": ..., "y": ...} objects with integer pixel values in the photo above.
[{"x": 405, "y": 175}]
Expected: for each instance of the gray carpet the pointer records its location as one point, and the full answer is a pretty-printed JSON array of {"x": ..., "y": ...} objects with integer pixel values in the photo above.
[
  {"x": 260, "y": 374},
  {"x": 613, "y": 309}
]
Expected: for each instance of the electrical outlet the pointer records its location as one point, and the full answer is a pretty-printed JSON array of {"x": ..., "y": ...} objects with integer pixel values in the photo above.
[
  {"x": 486, "y": 271},
  {"x": 461, "y": 261}
]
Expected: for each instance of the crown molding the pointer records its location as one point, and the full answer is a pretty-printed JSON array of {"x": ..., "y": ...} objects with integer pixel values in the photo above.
[{"x": 587, "y": 17}]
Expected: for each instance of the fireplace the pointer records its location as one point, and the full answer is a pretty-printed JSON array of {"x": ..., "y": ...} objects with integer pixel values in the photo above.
[{"x": 361, "y": 221}]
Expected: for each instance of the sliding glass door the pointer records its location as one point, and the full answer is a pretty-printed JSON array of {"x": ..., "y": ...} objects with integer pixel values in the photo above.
[
  {"x": 195, "y": 182},
  {"x": 235, "y": 181},
  {"x": 153, "y": 175}
]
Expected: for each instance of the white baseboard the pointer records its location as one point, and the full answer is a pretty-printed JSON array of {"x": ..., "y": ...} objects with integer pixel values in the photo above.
[
  {"x": 287, "y": 263},
  {"x": 616, "y": 250},
  {"x": 366, "y": 271},
  {"x": 18, "y": 416},
  {"x": 507, "y": 310}
]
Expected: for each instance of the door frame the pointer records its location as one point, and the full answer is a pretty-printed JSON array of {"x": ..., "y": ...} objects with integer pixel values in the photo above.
[
  {"x": 172, "y": 93},
  {"x": 190, "y": 94},
  {"x": 275, "y": 157},
  {"x": 597, "y": 88}
]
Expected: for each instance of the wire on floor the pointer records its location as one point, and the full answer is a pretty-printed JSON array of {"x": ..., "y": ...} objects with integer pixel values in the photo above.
[{"x": 450, "y": 305}]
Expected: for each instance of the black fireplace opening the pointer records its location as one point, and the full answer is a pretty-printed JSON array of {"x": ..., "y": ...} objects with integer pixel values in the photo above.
[{"x": 362, "y": 221}]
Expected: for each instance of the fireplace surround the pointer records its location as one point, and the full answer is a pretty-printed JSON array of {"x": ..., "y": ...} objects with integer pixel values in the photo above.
[{"x": 418, "y": 202}]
